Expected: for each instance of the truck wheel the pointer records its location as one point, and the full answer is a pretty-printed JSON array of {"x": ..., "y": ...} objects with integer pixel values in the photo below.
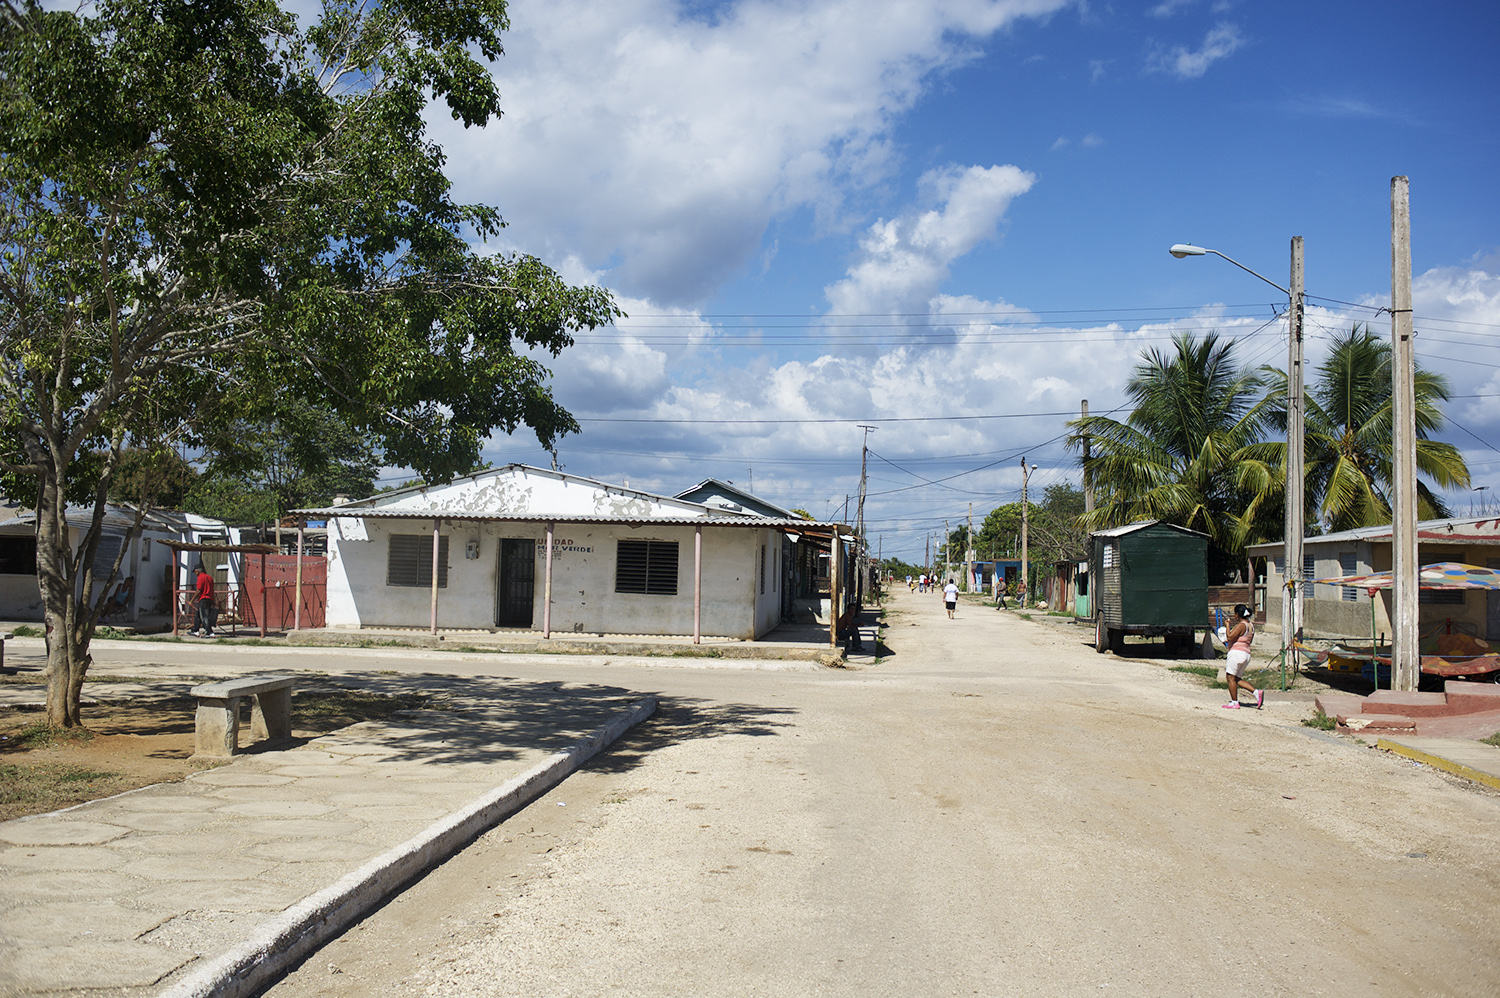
[{"x": 1101, "y": 636}]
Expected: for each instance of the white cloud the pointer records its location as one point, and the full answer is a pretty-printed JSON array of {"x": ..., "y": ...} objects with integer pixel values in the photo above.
[
  {"x": 1168, "y": 8},
  {"x": 661, "y": 147},
  {"x": 904, "y": 260},
  {"x": 1219, "y": 43}
]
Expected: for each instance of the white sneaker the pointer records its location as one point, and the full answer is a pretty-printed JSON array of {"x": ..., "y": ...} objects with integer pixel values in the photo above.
[{"x": 1232, "y": 705}]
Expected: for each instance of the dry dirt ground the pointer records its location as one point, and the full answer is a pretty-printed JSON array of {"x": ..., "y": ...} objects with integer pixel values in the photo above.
[{"x": 992, "y": 809}]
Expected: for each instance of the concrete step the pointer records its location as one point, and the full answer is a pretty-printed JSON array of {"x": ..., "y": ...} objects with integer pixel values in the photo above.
[
  {"x": 1405, "y": 704},
  {"x": 1356, "y": 723},
  {"x": 1472, "y": 698},
  {"x": 1334, "y": 704}
]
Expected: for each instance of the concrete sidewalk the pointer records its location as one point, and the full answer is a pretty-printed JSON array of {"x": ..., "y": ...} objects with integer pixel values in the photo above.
[
  {"x": 215, "y": 885},
  {"x": 1472, "y": 760}
]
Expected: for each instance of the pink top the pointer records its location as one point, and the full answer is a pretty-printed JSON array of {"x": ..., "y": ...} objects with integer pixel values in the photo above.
[{"x": 1242, "y": 643}]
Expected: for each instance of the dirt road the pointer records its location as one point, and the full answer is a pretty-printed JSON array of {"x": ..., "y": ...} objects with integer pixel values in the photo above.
[{"x": 994, "y": 810}]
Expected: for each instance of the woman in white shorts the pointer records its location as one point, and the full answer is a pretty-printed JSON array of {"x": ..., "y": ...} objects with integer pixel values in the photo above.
[{"x": 1238, "y": 641}]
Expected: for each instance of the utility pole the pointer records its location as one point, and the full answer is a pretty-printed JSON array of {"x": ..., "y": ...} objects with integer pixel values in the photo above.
[
  {"x": 947, "y": 548},
  {"x": 969, "y": 550},
  {"x": 859, "y": 523},
  {"x": 1292, "y": 596},
  {"x": 1405, "y": 658},
  {"x": 1088, "y": 486},
  {"x": 1025, "y": 525}
]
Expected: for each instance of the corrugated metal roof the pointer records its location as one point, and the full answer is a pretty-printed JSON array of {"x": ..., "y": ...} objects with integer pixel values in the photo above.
[
  {"x": 719, "y": 520},
  {"x": 1466, "y": 529},
  {"x": 1131, "y": 528}
]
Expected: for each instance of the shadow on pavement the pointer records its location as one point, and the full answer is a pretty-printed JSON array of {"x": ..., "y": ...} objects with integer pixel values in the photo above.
[{"x": 680, "y": 720}]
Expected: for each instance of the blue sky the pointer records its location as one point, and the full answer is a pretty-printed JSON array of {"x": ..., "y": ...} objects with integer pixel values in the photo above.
[{"x": 824, "y": 213}]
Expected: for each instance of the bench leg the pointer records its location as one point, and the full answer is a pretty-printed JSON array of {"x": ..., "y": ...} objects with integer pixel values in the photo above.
[
  {"x": 218, "y": 727},
  {"x": 271, "y": 715}
]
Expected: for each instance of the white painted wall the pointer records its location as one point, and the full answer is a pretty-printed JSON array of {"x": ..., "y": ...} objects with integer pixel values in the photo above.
[{"x": 583, "y": 584}]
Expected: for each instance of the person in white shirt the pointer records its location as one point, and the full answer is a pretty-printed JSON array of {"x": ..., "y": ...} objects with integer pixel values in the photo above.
[{"x": 950, "y": 597}]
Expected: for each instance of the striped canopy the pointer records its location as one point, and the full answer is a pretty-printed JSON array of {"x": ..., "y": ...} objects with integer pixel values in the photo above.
[{"x": 1439, "y": 575}]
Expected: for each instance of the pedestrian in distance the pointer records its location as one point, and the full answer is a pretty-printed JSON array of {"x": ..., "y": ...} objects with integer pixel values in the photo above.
[
  {"x": 203, "y": 619},
  {"x": 1237, "y": 639},
  {"x": 950, "y": 597}
]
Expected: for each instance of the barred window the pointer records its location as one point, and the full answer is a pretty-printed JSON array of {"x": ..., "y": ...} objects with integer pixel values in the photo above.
[
  {"x": 648, "y": 567},
  {"x": 1348, "y": 565},
  {"x": 409, "y": 561},
  {"x": 18, "y": 555}
]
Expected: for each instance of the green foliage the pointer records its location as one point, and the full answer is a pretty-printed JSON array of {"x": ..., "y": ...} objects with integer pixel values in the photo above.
[
  {"x": 152, "y": 476},
  {"x": 1349, "y": 434},
  {"x": 206, "y": 213},
  {"x": 1323, "y": 722},
  {"x": 1187, "y": 453}
]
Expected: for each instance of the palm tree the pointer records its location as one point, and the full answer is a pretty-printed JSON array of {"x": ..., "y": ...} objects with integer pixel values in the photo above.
[
  {"x": 1349, "y": 435},
  {"x": 1185, "y": 453}
]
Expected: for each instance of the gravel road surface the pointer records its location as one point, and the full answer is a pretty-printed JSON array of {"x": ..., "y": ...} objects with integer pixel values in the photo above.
[{"x": 994, "y": 809}]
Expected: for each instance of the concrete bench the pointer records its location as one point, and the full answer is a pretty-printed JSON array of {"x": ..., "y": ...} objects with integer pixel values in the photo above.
[
  {"x": 4, "y": 637},
  {"x": 218, "y": 721}
]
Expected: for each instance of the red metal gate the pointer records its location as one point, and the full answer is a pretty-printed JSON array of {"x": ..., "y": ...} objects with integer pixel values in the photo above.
[{"x": 281, "y": 589}]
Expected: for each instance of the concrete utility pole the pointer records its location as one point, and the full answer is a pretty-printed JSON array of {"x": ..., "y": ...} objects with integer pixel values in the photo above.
[
  {"x": 1292, "y": 596},
  {"x": 1405, "y": 657},
  {"x": 947, "y": 548},
  {"x": 1088, "y": 488},
  {"x": 1025, "y": 526},
  {"x": 969, "y": 550},
  {"x": 859, "y": 523}
]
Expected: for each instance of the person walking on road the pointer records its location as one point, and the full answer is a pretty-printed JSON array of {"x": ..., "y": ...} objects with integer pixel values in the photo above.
[
  {"x": 950, "y": 597},
  {"x": 1237, "y": 640},
  {"x": 203, "y": 622}
]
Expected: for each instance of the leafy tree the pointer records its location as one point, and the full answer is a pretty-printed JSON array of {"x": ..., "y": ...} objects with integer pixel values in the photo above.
[
  {"x": 1348, "y": 449},
  {"x": 1187, "y": 452},
  {"x": 298, "y": 457},
  {"x": 156, "y": 476},
  {"x": 204, "y": 210}
]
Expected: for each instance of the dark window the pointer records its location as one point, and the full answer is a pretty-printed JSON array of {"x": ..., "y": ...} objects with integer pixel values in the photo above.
[
  {"x": 648, "y": 567},
  {"x": 762, "y": 569},
  {"x": 1348, "y": 565},
  {"x": 409, "y": 561},
  {"x": 1442, "y": 597},
  {"x": 18, "y": 555}
]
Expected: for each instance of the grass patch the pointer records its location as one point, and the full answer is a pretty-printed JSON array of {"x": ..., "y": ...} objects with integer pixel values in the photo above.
[
  {"x": 40, "y": 734},
  {"x": 697, "y": 653},
  {"x": 49, "y": 786},
  {"x": 1492, "y": 739},
  {"x": 1320, "y": 721},
  {"x": 1023, "y": 616},
  {"x": 27, "y": 631},
  {"x": 1207, "y": 671}
]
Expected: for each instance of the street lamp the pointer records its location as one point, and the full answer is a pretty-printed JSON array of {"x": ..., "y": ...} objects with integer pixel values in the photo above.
[{"x": 1292, "y": 592}]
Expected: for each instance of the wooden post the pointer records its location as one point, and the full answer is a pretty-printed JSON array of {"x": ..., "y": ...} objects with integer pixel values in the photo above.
[
  {"x": 697, "y": 583},
  {"x": 436, "y": 537},
  {"x": 547, "y": 584},
  {"x": 176, "y": 596},
  {"x": 297, "y": 596},
  {"x": 833, "y": 590},
  {"x": 1405, "y": 656}
]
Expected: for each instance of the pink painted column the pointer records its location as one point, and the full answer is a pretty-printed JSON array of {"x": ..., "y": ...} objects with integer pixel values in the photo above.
[
  {"x": 436, "y": 525},
  {"x": 297, "y": 606},
  {"x": 697, "y": 583},
  {"x": 547, "y": 585}
]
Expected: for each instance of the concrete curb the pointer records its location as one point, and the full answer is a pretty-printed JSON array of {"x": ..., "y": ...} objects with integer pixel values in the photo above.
[
  {"x": 305, "y": 927},
  {"x": 1446, "y": 765}
]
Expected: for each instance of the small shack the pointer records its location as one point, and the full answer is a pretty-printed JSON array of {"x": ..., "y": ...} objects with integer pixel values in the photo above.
[{"x": 1148, "y": 579}]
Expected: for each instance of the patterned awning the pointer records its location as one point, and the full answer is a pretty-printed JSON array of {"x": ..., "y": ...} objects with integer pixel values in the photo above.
[{"x": 1439, "y": 575}]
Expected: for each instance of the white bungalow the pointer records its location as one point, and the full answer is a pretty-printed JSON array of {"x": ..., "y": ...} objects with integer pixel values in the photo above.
[
  {"x": 146, "y": 571},
  {"x": 523, "y": 547}
]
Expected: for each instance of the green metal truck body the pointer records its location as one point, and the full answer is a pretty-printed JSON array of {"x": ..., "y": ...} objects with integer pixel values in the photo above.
[{"x": 1148, "y": 579}]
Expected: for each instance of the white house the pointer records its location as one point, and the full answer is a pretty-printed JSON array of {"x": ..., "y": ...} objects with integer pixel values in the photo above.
[
  {"x": 1331, "y": 611},
  {"x": 145, "y": 580},
  {"x": 621, "y": 561}
]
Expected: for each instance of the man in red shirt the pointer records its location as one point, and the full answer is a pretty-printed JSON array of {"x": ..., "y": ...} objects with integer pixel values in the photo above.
[{"x": 204, "y": 620}]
